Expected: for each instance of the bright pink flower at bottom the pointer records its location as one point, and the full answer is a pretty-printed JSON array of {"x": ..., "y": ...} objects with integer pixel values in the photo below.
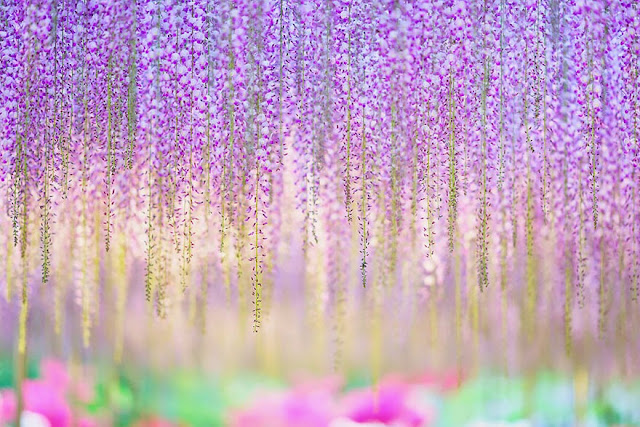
[
  {"x": 307, "y": 405},
  {"x": 46, "y": 396},
  {"x": 386, "y": 404},
  {"x": 41, "y": 398}
]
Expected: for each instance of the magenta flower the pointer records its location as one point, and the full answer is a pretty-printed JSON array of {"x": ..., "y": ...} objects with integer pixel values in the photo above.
[
  {"x": 309, "y": 404},
  {"x": 386, "y": 403},
  {"x": 47, "y": 396},
  {"x": 320, "y": 404}
]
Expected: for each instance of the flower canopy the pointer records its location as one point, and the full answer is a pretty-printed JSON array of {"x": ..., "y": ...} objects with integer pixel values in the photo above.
[{"x": 465, "y": 173}]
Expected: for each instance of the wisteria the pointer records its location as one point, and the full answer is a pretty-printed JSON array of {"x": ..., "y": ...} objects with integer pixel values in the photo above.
[{"x": 467, "y": 171}]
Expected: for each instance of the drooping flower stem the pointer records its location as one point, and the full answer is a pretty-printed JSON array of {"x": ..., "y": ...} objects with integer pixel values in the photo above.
[
  {"x": 453, "y": 185},
  {"x": 281, "y": 84},
  {"x": 501, "y": 148},
  {"x": 241, "y": 241},
  {"x": 257, "y": 268},
  {"x": 531, "y": 279},
  {"x": 150, "y": 247},
  {"x": 590, "y": 104},
  {"x": 110, "y": 161},
  {"x": 635, "y": 274},
  {"x": 229, "y": 149},
  {"x": 483, "y": 251},
  {"x": 188, "y": 225},
  {"x": 500, "y": 185},
  {"x": 45, "y": 227},
  {"x": 51, "y": 133},
  {"x": 24, "y": 301},
  {"x": 545, "y": 159},
  {"x": 347, "y": 180},
  {"x": 132, "y": 101},
  {"x": 394, "y": 191},
  {"x": 86, "y": 303},
  {"x": 414, "y": 189},
  {"x": 581, "y": 243},
  {"x": 66, "y": 152},
  {"x": 364, "y": 201},
  {"x": 257, "y": 285},
  {"x": 430, "y": 232}
]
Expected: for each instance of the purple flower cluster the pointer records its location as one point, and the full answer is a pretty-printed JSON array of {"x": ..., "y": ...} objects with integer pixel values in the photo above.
[{"x": 427, "y": 150}]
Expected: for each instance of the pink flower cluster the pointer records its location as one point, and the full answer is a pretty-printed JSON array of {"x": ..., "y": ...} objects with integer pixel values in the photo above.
[
  {"x": 48, "y": 397},
  {"x": 393, "y": 401}
]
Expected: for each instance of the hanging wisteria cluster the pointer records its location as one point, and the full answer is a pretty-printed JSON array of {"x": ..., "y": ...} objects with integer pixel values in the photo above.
[{"x": 473, "y": 161}]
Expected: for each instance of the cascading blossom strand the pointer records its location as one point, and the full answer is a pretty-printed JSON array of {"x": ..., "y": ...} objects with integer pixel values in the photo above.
[{"x": 453, "y": 164}]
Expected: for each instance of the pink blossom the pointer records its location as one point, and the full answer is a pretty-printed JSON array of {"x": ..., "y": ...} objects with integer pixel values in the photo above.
[{"x": 47, "y": 396}]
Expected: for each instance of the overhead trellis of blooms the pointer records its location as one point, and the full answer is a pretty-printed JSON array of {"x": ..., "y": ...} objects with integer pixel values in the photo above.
[{"x": 193, "y": 153}]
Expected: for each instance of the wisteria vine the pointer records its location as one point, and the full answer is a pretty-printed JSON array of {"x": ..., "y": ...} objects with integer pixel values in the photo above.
[{"x": 436, "y": 149}]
